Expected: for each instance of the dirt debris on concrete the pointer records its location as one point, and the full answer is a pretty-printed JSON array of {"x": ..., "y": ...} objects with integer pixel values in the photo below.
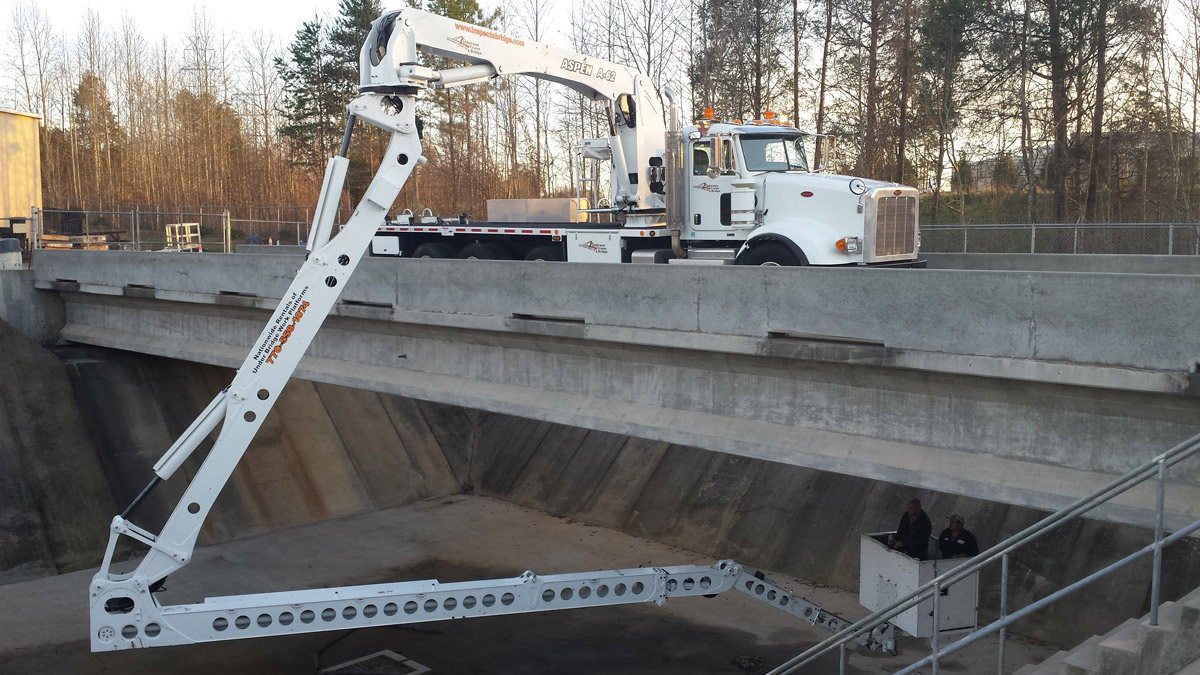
[{"x": 452, "y": 539}]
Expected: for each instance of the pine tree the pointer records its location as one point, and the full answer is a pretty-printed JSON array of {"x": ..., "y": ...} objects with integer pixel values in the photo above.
[
  {"x": 312, "y": 104},
  {"x": 96, "y": 132},
  {"x": 943, "y": 44},
  {"x": 345, "y": 40}
]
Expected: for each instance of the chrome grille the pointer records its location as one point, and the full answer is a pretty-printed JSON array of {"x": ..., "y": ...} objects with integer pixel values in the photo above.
[{"x": 895, "y": 226}]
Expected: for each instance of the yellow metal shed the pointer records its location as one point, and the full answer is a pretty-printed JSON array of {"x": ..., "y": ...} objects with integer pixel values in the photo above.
[{"x": 20, "y": 168}]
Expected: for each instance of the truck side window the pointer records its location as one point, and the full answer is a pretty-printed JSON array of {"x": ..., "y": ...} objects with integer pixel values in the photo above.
[{"x": 701, "y": 150}]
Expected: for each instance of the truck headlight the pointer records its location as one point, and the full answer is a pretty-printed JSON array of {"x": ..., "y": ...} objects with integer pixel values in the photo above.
[{"x": 847, "y": 244}]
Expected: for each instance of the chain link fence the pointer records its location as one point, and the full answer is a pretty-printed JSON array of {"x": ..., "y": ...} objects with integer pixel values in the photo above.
[
  {"x": 92, "y": 230},
  {"x": 250, "y": 231},
  {"x": 1110, "y": 238},
  {"x": 148, "y": 229}
]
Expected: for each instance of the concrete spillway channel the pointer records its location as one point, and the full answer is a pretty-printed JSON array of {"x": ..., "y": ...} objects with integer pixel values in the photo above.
[
  {"x": 345, "y": 486},
  {"x": 348, "y": 486}
]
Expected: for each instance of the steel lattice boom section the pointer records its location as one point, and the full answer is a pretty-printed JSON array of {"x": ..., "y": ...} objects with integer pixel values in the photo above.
[{"x": 408, "y": 602}]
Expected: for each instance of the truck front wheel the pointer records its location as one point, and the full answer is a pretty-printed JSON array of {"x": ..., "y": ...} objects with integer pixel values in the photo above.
[{"x": 770, "y": 254}]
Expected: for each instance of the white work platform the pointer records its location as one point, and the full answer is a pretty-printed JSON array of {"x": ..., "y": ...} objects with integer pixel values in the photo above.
[{"x": 886, "y": 575}]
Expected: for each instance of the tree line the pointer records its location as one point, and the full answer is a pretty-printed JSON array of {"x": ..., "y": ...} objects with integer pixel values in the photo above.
[{"x": 1003, "y": 110}]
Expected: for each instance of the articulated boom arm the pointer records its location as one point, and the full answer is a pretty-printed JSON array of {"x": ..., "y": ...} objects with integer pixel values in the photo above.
[
  {"x": 310, "y": 611},
  {"x": 389, "y": 60},
  {"x": 124, "y": 611}
]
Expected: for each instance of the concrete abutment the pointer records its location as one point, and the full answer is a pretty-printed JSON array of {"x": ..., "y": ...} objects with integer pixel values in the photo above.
[
  {"x": 768, "y": 417},
  {"x": 328, "y": 451}
]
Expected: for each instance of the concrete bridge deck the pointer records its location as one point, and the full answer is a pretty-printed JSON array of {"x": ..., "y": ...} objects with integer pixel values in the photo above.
[{"x": 1027, "y": 388}]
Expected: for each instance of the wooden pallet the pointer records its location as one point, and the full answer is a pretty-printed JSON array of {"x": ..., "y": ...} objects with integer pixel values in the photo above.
[{"x": 84, "y": 242}]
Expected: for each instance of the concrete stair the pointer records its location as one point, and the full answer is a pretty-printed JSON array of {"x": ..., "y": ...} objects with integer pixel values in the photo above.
[
  {"x": 1135, "y": 647},
  {"x": 1191, "y": 669}
]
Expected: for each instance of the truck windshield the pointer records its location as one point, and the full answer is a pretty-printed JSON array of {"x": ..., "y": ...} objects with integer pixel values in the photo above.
[{"x": 774, "y": 153}]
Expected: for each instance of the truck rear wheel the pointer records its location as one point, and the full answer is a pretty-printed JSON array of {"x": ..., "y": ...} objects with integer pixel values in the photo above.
[
  {"x": 550, "y": 253},
  {"x": 770, "y": 254},
  {"x": 484, "y": 251},
  {"x": 435, "y": 249}
]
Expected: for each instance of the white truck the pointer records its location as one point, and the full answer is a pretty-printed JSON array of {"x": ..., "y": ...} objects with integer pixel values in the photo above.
[
  {"x": 712, "y": 192},
  {"x": 125, "y": 612}
]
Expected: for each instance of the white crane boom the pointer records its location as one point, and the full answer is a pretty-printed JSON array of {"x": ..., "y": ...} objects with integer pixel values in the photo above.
[{"x": 390, "y": 65}]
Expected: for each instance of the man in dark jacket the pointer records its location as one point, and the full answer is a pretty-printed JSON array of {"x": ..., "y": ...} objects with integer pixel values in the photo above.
[
  {"x": 912, "y": 534},
  {"x": 957, "y": 541}
]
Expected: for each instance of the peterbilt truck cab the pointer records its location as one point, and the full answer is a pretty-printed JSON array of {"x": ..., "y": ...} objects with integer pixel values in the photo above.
[{"x": 754, "y": 183}]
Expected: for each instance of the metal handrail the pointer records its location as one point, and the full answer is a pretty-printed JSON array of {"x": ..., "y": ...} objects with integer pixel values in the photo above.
[
  {"x": 1154, "y": 468},
  {"x": 1155, "y": 548}
]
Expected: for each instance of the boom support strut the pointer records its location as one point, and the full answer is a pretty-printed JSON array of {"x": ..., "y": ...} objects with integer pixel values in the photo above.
[{"x": 121, "y": 604}]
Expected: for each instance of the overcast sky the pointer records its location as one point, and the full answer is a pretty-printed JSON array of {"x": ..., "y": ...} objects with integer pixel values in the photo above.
[
  {"x": 157, "y": 18},
  {"x": 163, "y": 17}
]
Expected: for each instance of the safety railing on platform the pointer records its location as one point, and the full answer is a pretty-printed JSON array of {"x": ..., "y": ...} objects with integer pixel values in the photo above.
[
  {"x": 1103, "y": 238},
  {"x": 1154, "y": 469}
]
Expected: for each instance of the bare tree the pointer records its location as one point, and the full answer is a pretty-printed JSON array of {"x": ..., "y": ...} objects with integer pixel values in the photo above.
[
  {"x": 532, "y": 20},
  {"x": 261, "y": 95},
  {"x": 826, "y": 41},
  {"x": 36, "y": 64},
  {"x": 905, "y": 87}
]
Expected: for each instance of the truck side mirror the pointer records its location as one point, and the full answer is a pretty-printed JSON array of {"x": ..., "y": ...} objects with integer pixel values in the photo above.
[{"x": 657, "y": 175}]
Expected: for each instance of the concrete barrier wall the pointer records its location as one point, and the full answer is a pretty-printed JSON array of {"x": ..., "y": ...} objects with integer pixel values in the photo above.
[
  {"x": 1148, "y": 322},
  {"x": 1069, "y": 262},
  {"x": 327, "y": 451},
  {"x": 263, "y": 249}
]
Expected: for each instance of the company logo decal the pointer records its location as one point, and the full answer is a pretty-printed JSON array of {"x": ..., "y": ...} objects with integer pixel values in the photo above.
[
  {"x": 709, "y": 187},
  {"x": 281, "y": 330},
  {"x": 593, "y": 246},
  {"x": 467, "y": 45}
]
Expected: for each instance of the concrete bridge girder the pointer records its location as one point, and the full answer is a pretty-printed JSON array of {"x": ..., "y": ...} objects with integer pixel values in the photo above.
[{"x": 740, "y": 363}]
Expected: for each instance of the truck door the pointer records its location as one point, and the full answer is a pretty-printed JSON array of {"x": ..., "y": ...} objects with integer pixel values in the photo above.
[{"x": 712, "y": 173}]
